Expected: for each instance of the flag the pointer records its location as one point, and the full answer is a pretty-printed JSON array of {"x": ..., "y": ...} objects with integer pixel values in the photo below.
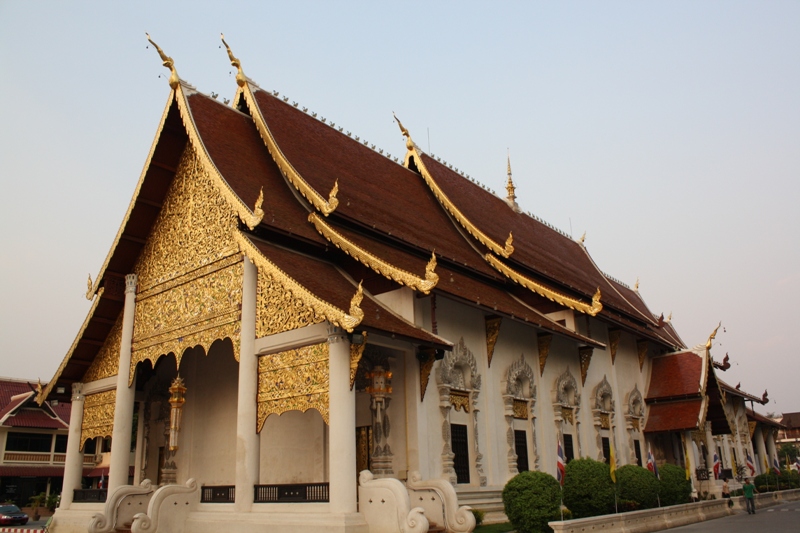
[
  {"x": 766, "y": 465},
  {"x": 651, "y": 463},
  {"x": 797, "y": 463},
  {"x": 776, "y": 466},
  {"x": 102, "y": 482},
  {"x": 612, "y": 461},
  {"x": 750, "y": 464},
  {"x": 686, "y": 457},
  {"x": 561, "y": 464},
  {"x": 717, "y": 466}
]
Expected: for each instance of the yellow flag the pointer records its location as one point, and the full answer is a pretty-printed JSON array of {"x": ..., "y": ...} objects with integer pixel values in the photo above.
[
  {"x": 686, "y": 457},
  {"x": 766, "y": 465},
  {"x": 612, "y": 461}
]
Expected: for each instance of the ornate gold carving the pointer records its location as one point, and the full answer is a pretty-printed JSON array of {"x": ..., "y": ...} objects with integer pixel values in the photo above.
[
  {"x": 613, "y": 342},
  {"x": 459, "y": 400},
  {"x": 605, "y": 421},
  {"x": 585, "y": 355},
  {"x": 492, "y": 331},
  {"x": 505, "y": 250},
  {"x": 375, "y": 263},
  {"x": 285, "y": 166},
  {"x": 568, "y": 414},
  {"x": 294, "y": 380},
  {"x": 544, "y": 340},
  {"x": 89, "y": 288},
  {"x": 106, "y": 362},
  {"x": 241, "y": 79},
  {"x": 520, "y": 409},
  {"x": 546, "y": 292},
  {"x": 297, "y": 306},
  {"x": 752, "y": 428},
  {"x": 174, "y": 80},
  {"x": 356, "y": 351},
  {"x": 426, "y": 357},
  {"x": 641, "y": 348},
  {"x": 635, "y": 424},
  {"x": 98, "y": 415}
]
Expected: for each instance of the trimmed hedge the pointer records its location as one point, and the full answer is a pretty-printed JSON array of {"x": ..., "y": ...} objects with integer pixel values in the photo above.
[
  {"x": 638, "y": 485},
  {"x": 674, "y": 488},
  {"x": 531, "y": 500},
  {"x": 788, "y": 480},
  {"x": 588, "y": 489}
]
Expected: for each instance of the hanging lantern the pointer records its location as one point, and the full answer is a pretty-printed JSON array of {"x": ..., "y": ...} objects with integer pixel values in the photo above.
[
  {"x": 380, "y": 382},
  {"x": 176, "y": 401}
]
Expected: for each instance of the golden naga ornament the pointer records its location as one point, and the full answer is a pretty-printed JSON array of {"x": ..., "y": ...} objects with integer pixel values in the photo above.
[
  {"x": 241, "y": 79},
  {"x": 174, "y": 80},
  {"x": 504, "y": 250}
]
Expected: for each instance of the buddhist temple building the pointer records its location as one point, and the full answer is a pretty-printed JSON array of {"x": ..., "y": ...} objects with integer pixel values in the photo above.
[{"x": 294, "y": 331}]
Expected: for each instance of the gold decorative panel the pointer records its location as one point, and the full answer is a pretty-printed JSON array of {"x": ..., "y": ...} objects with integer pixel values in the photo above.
[
  {"x": 585, "y": 356},
  {"x": 605, "y": 421},
  {"x": 277, "y": 310},
  {"x": 492, "y": 332},
  {"x": 459, "y": 400},
  {"x": 426, "y": 358},
  {"x": 356, "y": 351},
  {"x": 613, "y": 343},
  {"x": 544, "y": 340},
  {"x": 294, "y": 380},
  {"x": 190, "y": 270},
  {"x": 106, "y": 362},
  {"x": 520, "y": 408},
  {"x": 568, "y": 415},
  {"x": 98, "y": 415},
  {"x": 641, "y": 348}
]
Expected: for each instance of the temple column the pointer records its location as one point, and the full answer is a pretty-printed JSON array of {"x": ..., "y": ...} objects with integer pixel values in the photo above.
[
  {"x": 761, "y": 450},
  {"x": 247, "y": 446},
  {"x": 123, "y": 409},
  {"x": 73, "y": 463},
  {"x": 139, "y": 454},
  {"x": 711, "y": 449},
  {"x": 771, "y": 447},
  {"x": 342, "y": 418}
]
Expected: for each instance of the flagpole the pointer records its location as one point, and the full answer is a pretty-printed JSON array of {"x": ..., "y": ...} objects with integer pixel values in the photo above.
[{"x": 562, "y": 501}]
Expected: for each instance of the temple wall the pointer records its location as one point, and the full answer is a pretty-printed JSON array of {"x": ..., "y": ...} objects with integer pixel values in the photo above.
[{"x": 294, "y": 448}]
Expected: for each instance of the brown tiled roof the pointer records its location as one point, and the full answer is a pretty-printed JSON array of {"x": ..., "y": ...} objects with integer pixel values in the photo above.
[
  {"x": 675, "y": 375},
  {"x": 791, "y": 420},
  {"x": 757, "y": 417},
  {"x": 35, "y": 418},
  {"x": 326, "y": 282},
  {"x": 738, "y": 392},
  {"x": 537, "y": 247},
  {"x": 673, "y": 416},
  {"x": 373, "y": 191}
]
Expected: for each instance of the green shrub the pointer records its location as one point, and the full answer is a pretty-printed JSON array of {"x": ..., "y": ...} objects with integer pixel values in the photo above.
[
  {"x": 531, "y": 500},
  {"x": 674, "y": 488},
  {"x": 637, "y": 484},
  {"x": 479, "y": 516},
  {"x": 588, "y": 489}
]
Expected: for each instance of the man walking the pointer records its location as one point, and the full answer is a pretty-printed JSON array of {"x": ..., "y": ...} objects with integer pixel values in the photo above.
[{"x": 748, "y": 489}]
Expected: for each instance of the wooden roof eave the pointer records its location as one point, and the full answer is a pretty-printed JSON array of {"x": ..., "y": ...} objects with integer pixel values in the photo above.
[
  {"x": 345, "y": 320},
  {"x": 384, "y": 268},
  {"x": 326, "y": 207},
  {"x": 504, "y": 250}
]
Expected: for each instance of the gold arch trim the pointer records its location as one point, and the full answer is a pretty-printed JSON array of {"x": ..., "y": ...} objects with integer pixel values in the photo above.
[
  {"x": 98, "y": 415},
  {"x": 332, "y": 314},
  {"x": 384, "y": 268},
  {"x": 573, "y": 303},
  {"x": 505, "y": 250},
  {"x": 326, "y": 207}
]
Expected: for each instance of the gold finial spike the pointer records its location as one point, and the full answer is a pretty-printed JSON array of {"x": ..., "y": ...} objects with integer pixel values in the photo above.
[
  {"x": 241, "y": 79},
  {"x": 89, "y": 288},
  {"x": 712, "y": 336},
  {"x": 174, "y": 80},
  {"x": 636, "y": 285},
  {"x": 39, "y": 385},
  {"x": 404, "y": 131},
  {"x": 512, "y": 197},
  {"x": 583, "y": 238},
  {"x": 669, "y": 318}
]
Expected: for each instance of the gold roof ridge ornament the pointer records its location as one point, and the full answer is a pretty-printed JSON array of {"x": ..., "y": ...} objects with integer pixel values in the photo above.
[
  {"x": 582, "y": 240},
  {"x": 511, "y": 199},
  {"x": 712, "y": 337},
  {"x": 546, "y": 292},
  {"x": 326, "y": 207},
  {"x": 241, "y": 79},
  {"x": 505, "y": 250},
  {"x": 89, "y": 288},
  {"x": 345, "y": 320},
  {"x": 174, "y": 80},
  {"x": 382, "y": 267}
]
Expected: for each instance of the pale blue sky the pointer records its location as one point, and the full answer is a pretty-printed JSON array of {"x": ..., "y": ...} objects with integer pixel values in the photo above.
[{"x": 670, "y": 132}]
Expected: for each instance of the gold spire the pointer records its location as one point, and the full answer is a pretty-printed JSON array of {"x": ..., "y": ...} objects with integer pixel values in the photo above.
[
  {"x": 636, "y": 285},
  {"x": 511, "y": 199},
  {"x": 582, "y": 239},
  {"x": 89, "y": 288},
  {"x": 241, "y": 79},
  {"x": 712, "y": 336},
  {"x": 174, "y": 80},
  {"x": 404, "y": 131}
]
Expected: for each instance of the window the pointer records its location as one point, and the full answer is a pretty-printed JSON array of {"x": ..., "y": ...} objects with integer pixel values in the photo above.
[
  {"x": 29, "y": 442},
  {"x": 460, "y": 446},
  {"x": 607, "y": 450},
  {"x": 61, "y": 444},
  {"x": 90, "y": 447},
  {"x": 569, "y": 450},
  {"x": 637, "y": 449},
  {"x": 521, "y": 447},
  {"x": 106, "y": 447}
]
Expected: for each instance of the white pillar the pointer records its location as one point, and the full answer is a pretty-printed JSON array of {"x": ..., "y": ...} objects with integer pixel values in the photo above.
[
  {"x": 73, "y": 463},
  {"x": 342, "y": 427},
  {"x": 247, "y": 439},
  {"x": 123, "y": 409},
  {"x": 711, "y": 449},
  {"x": 140, "y": 451},
  {"x": 771, "y": 447}
]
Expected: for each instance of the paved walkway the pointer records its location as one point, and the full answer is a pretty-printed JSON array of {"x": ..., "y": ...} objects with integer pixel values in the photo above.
[{"x": 779, "y": 518}]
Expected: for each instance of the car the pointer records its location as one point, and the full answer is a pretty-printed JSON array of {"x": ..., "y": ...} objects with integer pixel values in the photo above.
[{"x": 11, "y": 515}]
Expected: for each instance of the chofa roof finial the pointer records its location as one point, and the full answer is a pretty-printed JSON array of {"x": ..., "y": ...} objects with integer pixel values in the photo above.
[
  {"x": 241, "y": 79},
  {"x": 174, "y": 80}
]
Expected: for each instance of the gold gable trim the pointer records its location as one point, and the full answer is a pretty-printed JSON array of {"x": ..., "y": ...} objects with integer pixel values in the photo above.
[
  {"x": 377, "y": 264},
  {"x": 546, "y": 292},
  {"x": 106, "y": 362},
  {"x": 98, "y": 415},
  {"x": 326, "y": 207},
  {"x": 333, "y": 314},
  {"x": 294, "y": 380}
]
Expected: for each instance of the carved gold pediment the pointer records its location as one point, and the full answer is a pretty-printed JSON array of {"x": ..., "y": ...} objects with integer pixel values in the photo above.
[
  {"x": 98, "y": 415},
  {"x": 459, "y": 400}
]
